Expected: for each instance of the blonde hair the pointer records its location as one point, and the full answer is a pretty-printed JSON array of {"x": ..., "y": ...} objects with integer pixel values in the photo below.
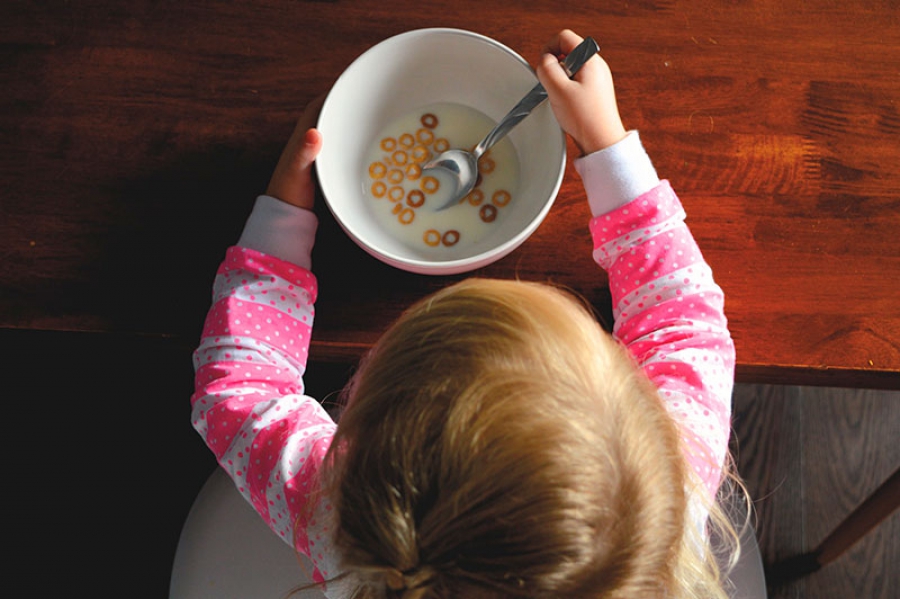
[{"x": 498, "y": 443}]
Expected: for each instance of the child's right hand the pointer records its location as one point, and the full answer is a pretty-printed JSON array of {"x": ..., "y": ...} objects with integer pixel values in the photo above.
[{"x": 586, "y": 105}]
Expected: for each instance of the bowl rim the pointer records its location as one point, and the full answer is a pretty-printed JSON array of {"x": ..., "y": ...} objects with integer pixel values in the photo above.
[{"x": 456, "y": 265}]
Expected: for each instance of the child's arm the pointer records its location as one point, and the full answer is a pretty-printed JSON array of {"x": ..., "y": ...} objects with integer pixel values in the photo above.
[
  {"x": 668, "y": 310},
  {"x": 249, "y": 403}
]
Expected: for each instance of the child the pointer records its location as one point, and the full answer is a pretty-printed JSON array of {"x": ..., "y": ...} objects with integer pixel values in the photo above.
[{"x": 496, "y": 442}]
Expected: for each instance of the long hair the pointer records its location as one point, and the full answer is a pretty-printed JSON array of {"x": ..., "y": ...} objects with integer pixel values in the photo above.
[{"x": 498, "y": 443}]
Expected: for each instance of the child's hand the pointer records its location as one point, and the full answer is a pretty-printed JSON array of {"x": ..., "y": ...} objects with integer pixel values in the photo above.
[
  {"x": 292, "y": 180},
  {"x": 586, "y": 105}
]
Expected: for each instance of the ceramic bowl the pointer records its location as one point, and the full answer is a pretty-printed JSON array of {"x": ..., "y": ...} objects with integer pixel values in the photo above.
[{"x": 401, "y": 75}]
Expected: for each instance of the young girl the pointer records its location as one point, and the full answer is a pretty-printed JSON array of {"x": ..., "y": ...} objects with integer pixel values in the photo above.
[{"x": 496, "y": 442}]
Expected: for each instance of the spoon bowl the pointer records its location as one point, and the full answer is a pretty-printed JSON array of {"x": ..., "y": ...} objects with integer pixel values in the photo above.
[{"x": 461, "y": 168}]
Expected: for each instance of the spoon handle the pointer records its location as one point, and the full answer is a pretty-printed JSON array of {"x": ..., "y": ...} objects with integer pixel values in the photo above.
[{"x": 572, "y": 64}]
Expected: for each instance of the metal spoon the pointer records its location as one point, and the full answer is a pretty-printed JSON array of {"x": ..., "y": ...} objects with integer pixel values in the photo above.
[{"x": 462, "y": 166}]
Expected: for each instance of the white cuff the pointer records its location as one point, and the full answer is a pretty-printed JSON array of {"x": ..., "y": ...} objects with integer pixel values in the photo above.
[
  {"x": 281, "y": 230},
  {"x": 616, "y": 175}
]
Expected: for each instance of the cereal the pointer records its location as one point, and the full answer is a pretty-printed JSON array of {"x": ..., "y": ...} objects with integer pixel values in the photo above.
[
  {"x": 400, "y": 157},
  {"x": 413, "y": 171},
  {"x": 396, "y": 193},
  {"x": 407, "y": 140},
  {"x": 425, "y": 136},
  {"x": 379, "y": 189},
  {"x": 388, "y": 144},
  {"x": 450, "y": 238},
  {"x": 406, "y": 216},
  {"x": 441, "y": 145},
  {"x": 429, "y": 120},
  {"x": 486, "y": 165},
  {"x": 432, "y": 238},
  {"x": 420, "y": 154},
  {"x": 501, "y": 198},
  {"x": 397, "y": 209},
  {"x": 488, "y": 213},
  {"x": 377, "y": 170},
  {"x": 430, "y": 184},
  {"x": 475, "y": 197},
  {"x": 415, "y": 198},
  {"x": 395, "y": 176}
]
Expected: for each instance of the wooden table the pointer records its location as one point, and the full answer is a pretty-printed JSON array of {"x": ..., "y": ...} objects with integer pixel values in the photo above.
[{"x": 135, "y": 136}]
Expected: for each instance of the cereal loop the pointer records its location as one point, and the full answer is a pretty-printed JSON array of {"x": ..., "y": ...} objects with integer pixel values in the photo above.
[
  {"x": 407, "y": 140},
  {"x": 395, "y": 194},
  {"x": 413, "y": 171},
  {"x": 425, "y": 136},
  {"x": 420, "y": 153},
  {"x": 388, "y": 144},
  {"x": 501, "y": 197},
  {"x": 395, "y": 176},
  {"x": 429, "y": 120},
  {"x": 377, "y": 170},
  {"x": 406, "y": 216},
  {"x": 400, "y": 157},
  {"x": 441, "y": 145},
  {"x": 430, "y": 184},
  {"x": 379, "y": 189},
  {"x": 450, "y": 238},
  {"x": 486, "y": 165},
  {"x": 432, "y": 238},
  {"x": 415, "y": 198},
  {"x": 476, "y": 197},
  {"x": 397, "y": 208},
  {"x": 488, "y": 213}
]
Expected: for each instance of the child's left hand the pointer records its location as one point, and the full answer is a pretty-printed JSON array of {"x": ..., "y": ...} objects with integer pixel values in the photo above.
[{"x": 292, "y": 181}]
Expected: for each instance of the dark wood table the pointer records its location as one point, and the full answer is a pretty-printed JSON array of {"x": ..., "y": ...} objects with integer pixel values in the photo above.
[{"x": 135, "y": 136}]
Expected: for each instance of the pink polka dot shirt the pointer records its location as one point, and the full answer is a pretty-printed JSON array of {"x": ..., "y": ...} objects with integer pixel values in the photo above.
[{"x": 249, "y": 402}]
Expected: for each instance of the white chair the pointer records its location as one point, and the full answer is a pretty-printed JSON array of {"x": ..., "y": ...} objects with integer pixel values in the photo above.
[
  {"x": 748, "y": 579},
  {"x": 226, "y": 551}
]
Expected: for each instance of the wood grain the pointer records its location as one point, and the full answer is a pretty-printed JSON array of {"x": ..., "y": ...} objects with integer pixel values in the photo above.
[
  {"x": 855, "y": 430},
  {"x": 809, "y": 457},
  {"x": 134, "y": 137},
  {"x": 767, "y": 448}
]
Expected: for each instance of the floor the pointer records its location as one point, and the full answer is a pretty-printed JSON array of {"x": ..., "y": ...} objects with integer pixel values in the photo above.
[
  {"x": 809, "y": 456},
  {"x": 103, "y": 466}
]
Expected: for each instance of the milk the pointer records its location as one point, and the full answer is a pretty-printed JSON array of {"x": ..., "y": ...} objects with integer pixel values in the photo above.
[{"x": 404, "y": 201}]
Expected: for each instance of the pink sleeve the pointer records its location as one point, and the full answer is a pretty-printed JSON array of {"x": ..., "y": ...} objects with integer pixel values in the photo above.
[
  {"x": 669, "y": 313},
  {"x": 249, "y": 403}
]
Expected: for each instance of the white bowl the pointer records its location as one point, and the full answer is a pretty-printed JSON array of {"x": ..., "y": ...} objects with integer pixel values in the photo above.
[{"x": 417, "y": 69}]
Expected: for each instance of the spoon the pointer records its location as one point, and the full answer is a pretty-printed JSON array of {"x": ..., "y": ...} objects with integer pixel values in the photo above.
[{"x": 462, "y": 166}]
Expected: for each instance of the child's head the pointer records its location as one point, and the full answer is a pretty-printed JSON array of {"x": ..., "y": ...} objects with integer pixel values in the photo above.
[{"x": 498, "y": 443}]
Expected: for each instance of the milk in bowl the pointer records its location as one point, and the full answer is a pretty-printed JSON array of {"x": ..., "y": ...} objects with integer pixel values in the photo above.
[{"x": 404, "y": 199}]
